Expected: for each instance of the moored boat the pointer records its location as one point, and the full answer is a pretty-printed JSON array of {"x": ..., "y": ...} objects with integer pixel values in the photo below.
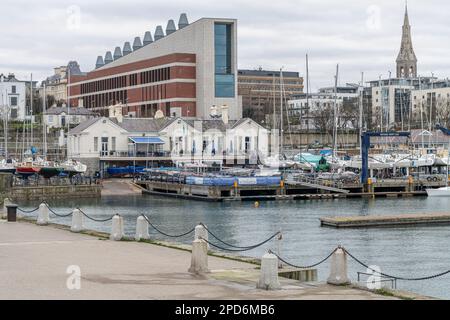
[
  {"x": 441, "y": 192},
  {"x": 73, "y": 167},
  {"x": 27, "y": 169}
]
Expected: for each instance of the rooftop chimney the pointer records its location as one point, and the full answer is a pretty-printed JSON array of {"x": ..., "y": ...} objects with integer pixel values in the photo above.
[
  {"x": 137, "y": 44},
  {"x": 108, "y": 57},
  {"x": 126, "y": 48},
  {"x": 170, "y": 27},
  {"x": 225, "y": 114},
  {"x": 183, "y": 22},
  {"x": 117, "y": 53},
  {"x": 159, "y": 33},
  {"x": 99, "y": 62},
  {"x": 148, "y": 38}
]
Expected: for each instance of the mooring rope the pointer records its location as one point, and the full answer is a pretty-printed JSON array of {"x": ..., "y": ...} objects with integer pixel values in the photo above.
[
  {"x": 166, "y": 234},
  {"x": 239, "y": 247},
  {"x": 304, "y": 267},
  {"x": 94, "y": 219}
]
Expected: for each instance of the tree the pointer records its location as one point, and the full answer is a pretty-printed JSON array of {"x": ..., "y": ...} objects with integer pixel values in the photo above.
[
  {"x": 443, "y": 111},
  {"x": 322, "y": 118}
]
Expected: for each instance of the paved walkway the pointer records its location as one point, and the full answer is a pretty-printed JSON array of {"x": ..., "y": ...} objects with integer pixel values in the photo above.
[{"x": 34, "y": 260}]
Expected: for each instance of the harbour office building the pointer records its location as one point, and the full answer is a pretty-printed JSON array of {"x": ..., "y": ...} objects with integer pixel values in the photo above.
[{"x": 181, "y": 72}]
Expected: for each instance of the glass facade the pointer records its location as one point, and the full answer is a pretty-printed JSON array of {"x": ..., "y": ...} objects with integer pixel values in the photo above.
[{"x": 224, "y": 77}]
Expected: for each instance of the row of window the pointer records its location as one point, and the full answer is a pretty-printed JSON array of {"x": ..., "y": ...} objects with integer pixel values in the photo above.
[
  {"x": 105, "y": 99},
  {"x": 158, "y": 75}
]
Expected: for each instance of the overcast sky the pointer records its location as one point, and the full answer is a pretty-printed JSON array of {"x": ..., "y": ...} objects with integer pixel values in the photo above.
[{"x": 360, "y": 35}]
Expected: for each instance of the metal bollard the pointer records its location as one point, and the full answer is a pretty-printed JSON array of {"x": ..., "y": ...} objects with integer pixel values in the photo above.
[
  {"x": 77, "y": 221},
  {"x": 43, "y": 215},
  {"x": 199, "y": 257},
  {"x": 117, "y": 228},
  {"x": 141, "y": 229},
  {"x": 338, "y": 268},
  {"x": 11, "y": 210},
  {"x": 268, "y": 278}
]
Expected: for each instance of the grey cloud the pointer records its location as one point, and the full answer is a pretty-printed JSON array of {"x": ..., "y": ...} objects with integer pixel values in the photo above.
[{"x": 272, "y": 34}]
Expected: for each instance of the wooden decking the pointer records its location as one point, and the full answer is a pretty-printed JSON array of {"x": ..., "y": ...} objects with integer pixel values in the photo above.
[{"x": 386, "y": 221}]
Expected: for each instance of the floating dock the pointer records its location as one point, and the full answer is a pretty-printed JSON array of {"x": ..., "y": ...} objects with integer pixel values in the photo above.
[{"x": 386, "y": 221}]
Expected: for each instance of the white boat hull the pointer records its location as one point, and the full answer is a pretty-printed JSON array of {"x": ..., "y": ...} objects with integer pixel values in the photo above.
[{"x": 441, "y": 192}]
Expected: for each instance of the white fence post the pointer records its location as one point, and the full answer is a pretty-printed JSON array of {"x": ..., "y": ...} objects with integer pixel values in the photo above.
[
  {"x": 201, "y": 233},
  {"x": 199, "y": 257},
  {"x": 268, "y": 278},
  {"x": 43, "y": 215},
  {"x": 141, "y": 229},
  {"x": 338, "y": 268},
  {"x": 117, "y": 228},
  {"x": 77, "y": 221}
]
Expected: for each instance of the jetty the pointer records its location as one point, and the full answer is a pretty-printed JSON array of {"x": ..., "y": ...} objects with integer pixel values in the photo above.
[{"x": 386, "y": 221}]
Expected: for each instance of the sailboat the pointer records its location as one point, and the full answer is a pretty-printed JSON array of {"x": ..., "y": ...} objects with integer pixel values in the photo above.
[{"x": 7, "y": 166}]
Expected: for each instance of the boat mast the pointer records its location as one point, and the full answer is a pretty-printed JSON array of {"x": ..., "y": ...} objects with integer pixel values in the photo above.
[
  {"x": 335, "y": 113},
  {"x": 68, "y": 109},
  {"x": 5, "y": 120},
  {"x": 421, "y": 112},
  {"x": 31, "y": 111},
  {"x": 307, "y": 105},
  {"x": 44, "y": 127},
  {"x": 381, "y": 104},
  {"x": 281, "y": 113},
  {"x": 361, "y": 97}
]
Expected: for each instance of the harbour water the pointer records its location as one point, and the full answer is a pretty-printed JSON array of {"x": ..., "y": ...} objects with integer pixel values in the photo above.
[{"x": 407, "y": 251}]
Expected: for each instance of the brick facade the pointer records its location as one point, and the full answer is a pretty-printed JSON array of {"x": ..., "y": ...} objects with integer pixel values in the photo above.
[{"x": 166, "y": 83}]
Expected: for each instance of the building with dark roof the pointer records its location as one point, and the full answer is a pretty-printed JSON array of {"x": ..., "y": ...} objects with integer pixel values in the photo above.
[{"x": 121, "y": 141}]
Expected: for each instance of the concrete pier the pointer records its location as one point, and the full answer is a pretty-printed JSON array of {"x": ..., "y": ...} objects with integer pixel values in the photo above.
[
  {"x": 131, "y": 270},
  {"x": 386, "y": 221}
]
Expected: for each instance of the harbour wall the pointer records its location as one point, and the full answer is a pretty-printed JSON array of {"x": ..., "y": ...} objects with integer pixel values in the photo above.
[{"x": 20, "y": 193}]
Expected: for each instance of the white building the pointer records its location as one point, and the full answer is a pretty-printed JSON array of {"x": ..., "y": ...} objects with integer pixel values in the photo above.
[
  {"x": 304, "y": 107},
  {"x": 103, "y": 142},
  {"x": 59, "y": 117},
  {"x": 13, "y": 97}
]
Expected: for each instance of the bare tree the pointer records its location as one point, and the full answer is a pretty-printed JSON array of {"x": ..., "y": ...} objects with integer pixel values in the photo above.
[{"x": 443, "y": 111}]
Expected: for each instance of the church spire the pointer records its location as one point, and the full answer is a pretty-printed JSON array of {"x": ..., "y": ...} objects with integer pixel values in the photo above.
[{"x": 406, "y": 60}]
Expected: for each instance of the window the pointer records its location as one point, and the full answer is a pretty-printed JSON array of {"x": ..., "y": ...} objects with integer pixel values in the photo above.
[
  {"x": 13, "y": 89},
  {"x": 13, "y": 101},
  {"x": 50, "y": 119},
  {"x": 96, "y": 144},
  {"x": 13, "y": 113},
  {"x": 224, "y": 78}
]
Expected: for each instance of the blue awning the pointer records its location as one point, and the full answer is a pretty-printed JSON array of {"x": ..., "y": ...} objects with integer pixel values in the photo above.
[{"x": 147, "y": 140}]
